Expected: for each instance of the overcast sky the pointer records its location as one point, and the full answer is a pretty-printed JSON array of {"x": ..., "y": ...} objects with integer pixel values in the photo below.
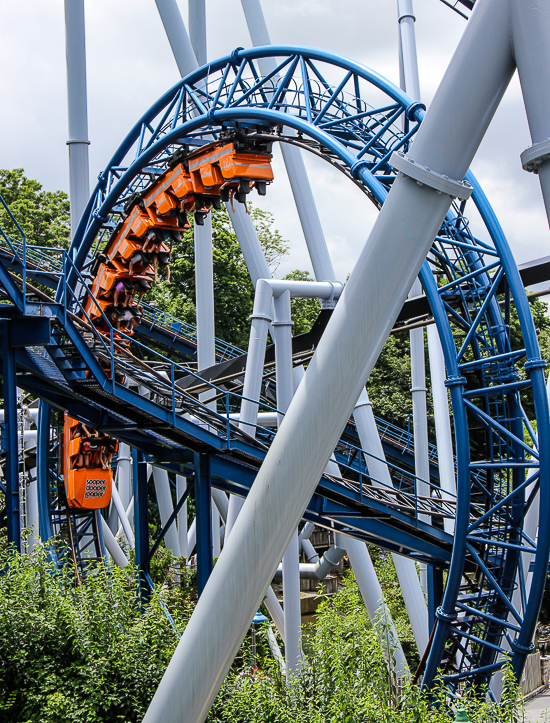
[{"x": 130, "y": 64}]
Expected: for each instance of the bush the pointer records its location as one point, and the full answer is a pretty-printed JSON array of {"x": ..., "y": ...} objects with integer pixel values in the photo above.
[
  {"x": 74, "y": 653},
  {"x": 85, "y": 654},
  {"x": 345, "y": 680}
]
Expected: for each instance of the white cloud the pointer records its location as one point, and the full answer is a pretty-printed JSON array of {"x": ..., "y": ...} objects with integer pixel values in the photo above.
[{"x": 130, "y": 65}]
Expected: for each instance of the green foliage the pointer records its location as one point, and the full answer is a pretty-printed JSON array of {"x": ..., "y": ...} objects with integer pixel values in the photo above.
[
  {"x": 233, "y": 289},
  {"x": 345, "y": 680},
  {"x": 79, "y": 654},
  {"x": 82, "y": 654},
  {"x": 389, "y": 582},
  {"x": 43, "y": 215}
]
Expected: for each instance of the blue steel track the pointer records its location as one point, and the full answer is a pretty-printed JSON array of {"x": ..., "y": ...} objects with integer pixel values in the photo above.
[{"x": 353, "y": 118}]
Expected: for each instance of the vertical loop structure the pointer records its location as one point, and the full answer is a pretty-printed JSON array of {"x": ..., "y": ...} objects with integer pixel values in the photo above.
[{"x": 354, "y": 119}]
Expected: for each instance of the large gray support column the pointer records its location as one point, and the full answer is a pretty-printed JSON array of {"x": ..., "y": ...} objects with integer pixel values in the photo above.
[
  {"x": 294, "y": 162},
  {"x": 177, "y": 36},
  {"x": 79, "y": 171},
  {"x": 530, "y": 32},
  {"x": 197, "y": 29},
  {"x": 393, "y": 255}
]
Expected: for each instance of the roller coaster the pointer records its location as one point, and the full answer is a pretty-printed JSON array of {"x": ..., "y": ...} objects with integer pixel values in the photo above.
[{"x": 121, "y": 386}]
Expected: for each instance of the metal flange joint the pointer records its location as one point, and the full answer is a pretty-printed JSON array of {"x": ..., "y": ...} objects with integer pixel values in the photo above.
[
  {"x": 535, "y": 156},
  {"x": 425, "y": 176}
]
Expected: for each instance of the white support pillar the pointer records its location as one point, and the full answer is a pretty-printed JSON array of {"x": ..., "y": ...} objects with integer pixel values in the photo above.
[
  {"x": 294, "y": 162},
  {"x": 113, "y": 548},
  {"x": 275, "y": 610},
  {"x": 405, "y": 569},
  {"x": 282, "y": 330},
  {"x": 197, "y": 29},
  {"x": 181, "y": 486},
  {"x": 177, "y": 36},
  {"x": 33, "y": 522},
  {"x": 406, "y": 19},
  {"x": 249, "y": 242},
  {"x": 260, "y": 321},
  {"x": 408, "y": 74},
  {"x": 476, "y": 79},
  {"x": 445, "y": 454},
  {"x": 530, "y": 23},
  {"x": 373, "y": 597},
  {"x": 79, "y": 171},
  {"x": 124, "y": 473},
  {"x": 420, "y": 406},
  {"x": 166, "y": 507},
  {"x": 121, "y": 512}
]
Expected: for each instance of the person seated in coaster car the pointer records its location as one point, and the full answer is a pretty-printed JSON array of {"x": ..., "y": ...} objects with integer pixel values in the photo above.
[
  {"x": 87, "y": 473},
  {"x": 139, "y": 259},
  {"x": 124, "y": 319},
  {"x": 123, "y": 288},
  {"x": 116, "y": 316},
  {"x": 105, "y": 450},
  {"x": 84, "y": 454},
  {"x": 142, "y": 286},
  {"x": 133, "y": 322}
]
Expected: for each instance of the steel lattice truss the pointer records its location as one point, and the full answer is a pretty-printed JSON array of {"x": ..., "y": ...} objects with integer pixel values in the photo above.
[{"x": 355, "y": 119}]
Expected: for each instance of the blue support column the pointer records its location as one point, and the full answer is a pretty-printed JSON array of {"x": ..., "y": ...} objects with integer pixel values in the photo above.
[
  {"x": 203, "y": 512},
  {"x": 435, "y": 592},
  {"x": 9, "y": 438},
  {"x": 141, "y": 522}
]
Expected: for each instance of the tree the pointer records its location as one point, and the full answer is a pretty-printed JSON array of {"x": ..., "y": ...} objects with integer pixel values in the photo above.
[
  {"x": 43, "y": 215},
  {"x": 233, "y": 289}
]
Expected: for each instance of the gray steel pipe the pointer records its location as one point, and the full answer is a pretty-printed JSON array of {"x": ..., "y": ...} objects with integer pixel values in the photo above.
[
  {"x": 113, "y": 548},
  {"x": 79, "y": 171},
  {"x": 445, "y": 453},
  {"x": 197, "y": 29},
  {"x": 530, "y": 30},
  {"x": 166, "y": 507},
  {"x": 177, "y": 36},
  {"x": 294, "y": 162},
  {"x": 181, "y": 486},
  {"x": 320, "y": 569},
  {"x": 121, "y": 512},
  {"x": 307, "y": 548},
  {"x": 282, "y": 332}
]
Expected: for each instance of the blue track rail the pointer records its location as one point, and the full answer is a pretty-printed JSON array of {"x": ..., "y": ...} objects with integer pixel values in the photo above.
[{"x": 355, "y": 121}]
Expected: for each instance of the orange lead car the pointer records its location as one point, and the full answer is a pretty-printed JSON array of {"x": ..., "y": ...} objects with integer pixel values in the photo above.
[{"x": 87, "y": 468}]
